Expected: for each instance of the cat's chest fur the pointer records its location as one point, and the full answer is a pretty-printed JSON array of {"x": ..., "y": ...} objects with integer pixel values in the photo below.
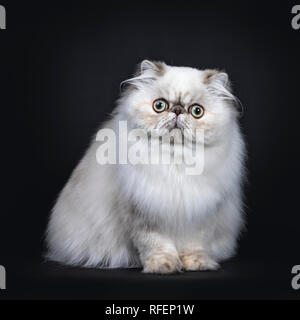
[{"x": 167, "y": 192}]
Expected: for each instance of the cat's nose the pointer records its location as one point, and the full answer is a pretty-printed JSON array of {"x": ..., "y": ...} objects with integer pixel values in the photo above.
[{"x": 178, "y": 110}]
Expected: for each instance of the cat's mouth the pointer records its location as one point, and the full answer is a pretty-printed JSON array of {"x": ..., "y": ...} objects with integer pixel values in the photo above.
[
  {"x": 173, "y": 123},
  {"x": 177, "y": 124}
]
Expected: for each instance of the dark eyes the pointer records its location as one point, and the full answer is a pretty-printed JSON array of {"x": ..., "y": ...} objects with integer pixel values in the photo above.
[
  {"x": 160, "y": 105},
  {"x": 196, "y": 111}
]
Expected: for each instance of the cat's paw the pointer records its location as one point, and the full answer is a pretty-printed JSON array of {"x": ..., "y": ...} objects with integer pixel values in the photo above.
[
  {"x": 198, "y": 262},
  {"x": 163, "y": 264}
]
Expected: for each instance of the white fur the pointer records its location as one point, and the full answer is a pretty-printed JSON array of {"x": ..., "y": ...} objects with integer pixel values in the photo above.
[{"x": 124, "y": 215}]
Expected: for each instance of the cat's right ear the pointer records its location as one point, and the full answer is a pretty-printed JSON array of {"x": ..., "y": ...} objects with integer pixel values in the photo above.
[
  {"x": 147, "y": 72},
  {"x": 156, "y": 67}
]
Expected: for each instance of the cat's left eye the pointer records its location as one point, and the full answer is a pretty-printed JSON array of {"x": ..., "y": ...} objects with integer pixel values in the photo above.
[
  {"x": 196, "y": 111},
  {"x": 160, "y": 105}
]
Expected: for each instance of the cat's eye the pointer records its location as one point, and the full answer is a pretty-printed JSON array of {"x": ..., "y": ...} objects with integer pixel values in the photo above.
[
  {"x": 196, "y": 111},
  {"x": 160, "y": 105}
]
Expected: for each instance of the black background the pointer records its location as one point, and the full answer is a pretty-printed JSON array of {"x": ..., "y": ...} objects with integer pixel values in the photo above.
[{"x": 61, "y": 65}]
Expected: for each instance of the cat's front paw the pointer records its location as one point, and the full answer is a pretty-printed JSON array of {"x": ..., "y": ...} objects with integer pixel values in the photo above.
[
  {"x": 163, "y": 264},
  {"x": 198, "y": 262}
]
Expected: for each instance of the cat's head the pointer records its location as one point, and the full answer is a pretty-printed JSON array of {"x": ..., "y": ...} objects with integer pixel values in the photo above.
[{"x": 164, "y": 98}]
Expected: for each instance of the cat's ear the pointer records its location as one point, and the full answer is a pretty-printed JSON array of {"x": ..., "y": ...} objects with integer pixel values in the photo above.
[
  {"x": 218, "y": 84},
  {"x": 155, "y": 67},
  {"x": 216, "y": 78},
  {"x": 146, "y": 73}
]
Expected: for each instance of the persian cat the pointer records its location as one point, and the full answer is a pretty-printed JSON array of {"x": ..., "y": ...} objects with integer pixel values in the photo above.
[{"x": 155, "y": 215}]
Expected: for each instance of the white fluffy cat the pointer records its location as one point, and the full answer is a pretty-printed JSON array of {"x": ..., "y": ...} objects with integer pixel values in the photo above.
[{"x": 158, "y": 216}]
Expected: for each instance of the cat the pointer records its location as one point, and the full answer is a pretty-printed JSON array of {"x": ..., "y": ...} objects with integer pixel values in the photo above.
[{"x": 156, "y": 216}]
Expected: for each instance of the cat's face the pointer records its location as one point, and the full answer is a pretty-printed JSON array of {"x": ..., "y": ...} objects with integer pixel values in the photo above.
[{"x": 166, "y": 98}]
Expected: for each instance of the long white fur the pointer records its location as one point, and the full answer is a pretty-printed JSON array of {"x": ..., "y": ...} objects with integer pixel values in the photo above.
[{"x": 123, "y": 215}]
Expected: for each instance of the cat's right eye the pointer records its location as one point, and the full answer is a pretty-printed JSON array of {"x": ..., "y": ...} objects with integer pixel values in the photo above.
[{"x": 160, "y": 105}]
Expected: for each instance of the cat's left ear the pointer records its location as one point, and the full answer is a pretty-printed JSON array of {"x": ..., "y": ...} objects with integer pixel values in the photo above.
[
  {"x": 216, "y": 78},
  {"x": 218, "y": 84}
]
